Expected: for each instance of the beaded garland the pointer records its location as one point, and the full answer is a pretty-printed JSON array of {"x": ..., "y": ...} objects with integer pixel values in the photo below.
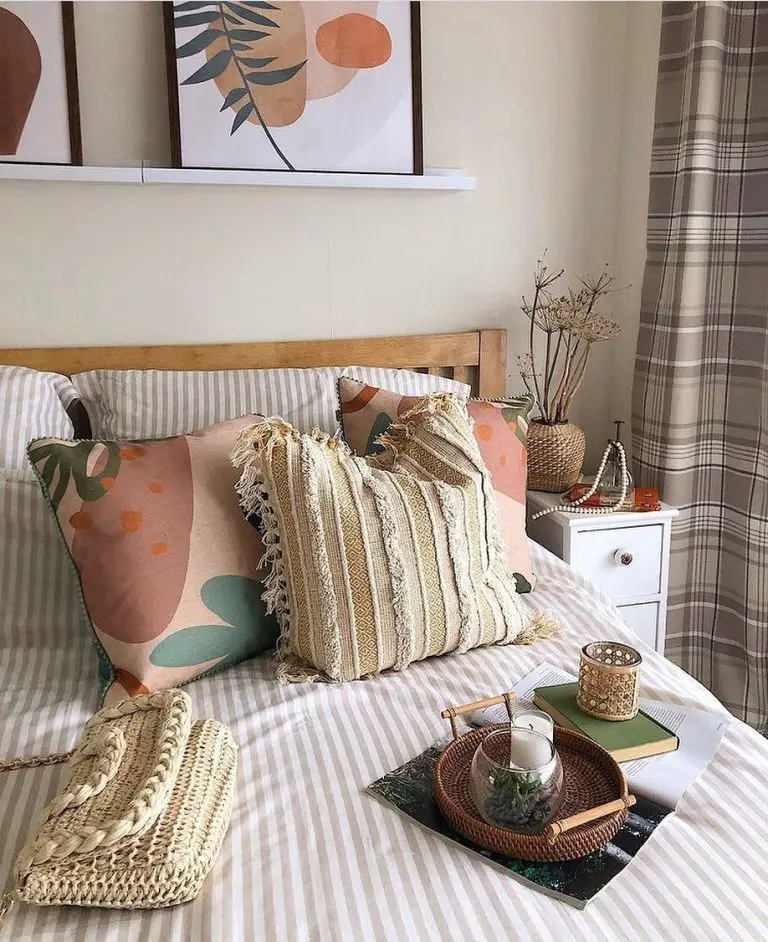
[{"x": 575, "y": 508}]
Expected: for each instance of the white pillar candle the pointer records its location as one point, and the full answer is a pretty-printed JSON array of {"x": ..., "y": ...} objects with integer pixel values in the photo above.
[
  {"x": 528, "y": 749},
  {"x": 536, "y": 720}
]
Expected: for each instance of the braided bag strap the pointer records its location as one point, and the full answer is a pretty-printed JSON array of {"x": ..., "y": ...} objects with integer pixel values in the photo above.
[{"x": 33, "y": 762}]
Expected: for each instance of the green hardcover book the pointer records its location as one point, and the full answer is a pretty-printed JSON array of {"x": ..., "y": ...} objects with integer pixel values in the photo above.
[{"x": 638, "y": 738}]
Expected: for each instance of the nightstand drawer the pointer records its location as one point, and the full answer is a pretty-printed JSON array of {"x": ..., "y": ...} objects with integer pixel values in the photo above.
[
  {"x": 625, "y": 562},
  {"x": 643, "y": 619}
]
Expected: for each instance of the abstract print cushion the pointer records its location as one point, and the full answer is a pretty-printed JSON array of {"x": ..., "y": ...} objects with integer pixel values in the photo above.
[
  {"x": 167, "y": 564},
  {"x": 373, "y": 567},
  {"x": 500, "y": 427}
]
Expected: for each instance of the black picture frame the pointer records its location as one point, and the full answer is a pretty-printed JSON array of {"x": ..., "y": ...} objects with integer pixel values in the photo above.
[
  {"x": 175, "y": 118},
  {"x": 73, "y": 95}
]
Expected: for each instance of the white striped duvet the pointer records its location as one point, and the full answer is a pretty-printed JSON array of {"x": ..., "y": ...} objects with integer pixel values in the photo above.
[{"x": 310, "y": 856}]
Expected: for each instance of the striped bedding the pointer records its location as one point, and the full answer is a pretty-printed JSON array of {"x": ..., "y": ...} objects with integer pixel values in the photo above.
[{"x": 310, "y": 856}]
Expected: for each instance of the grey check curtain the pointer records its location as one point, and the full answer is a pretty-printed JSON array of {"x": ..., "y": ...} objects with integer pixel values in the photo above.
[{"x": 700, "y": 403}]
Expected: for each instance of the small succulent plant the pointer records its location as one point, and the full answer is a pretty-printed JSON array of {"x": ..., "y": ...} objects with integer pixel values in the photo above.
[{"x": 518, "y": 802}]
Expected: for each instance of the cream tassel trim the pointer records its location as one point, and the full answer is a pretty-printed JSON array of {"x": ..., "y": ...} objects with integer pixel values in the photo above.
[
  {"x": 6, "y": 905},
  {"x": 254, "y": 498},
  {"x": 539, "y": 627}
]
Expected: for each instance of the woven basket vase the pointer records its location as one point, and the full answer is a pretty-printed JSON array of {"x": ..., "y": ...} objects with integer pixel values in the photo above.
[
  {"x": 555, "y": 456},
  {"x": 142, "y": 817}
]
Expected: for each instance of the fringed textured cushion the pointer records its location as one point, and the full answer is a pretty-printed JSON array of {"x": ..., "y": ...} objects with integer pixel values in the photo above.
[{"x": 382, "y": 561}]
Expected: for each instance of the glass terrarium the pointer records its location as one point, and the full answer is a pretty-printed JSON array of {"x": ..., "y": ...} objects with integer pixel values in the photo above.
[{"x": 517, "y": 780}]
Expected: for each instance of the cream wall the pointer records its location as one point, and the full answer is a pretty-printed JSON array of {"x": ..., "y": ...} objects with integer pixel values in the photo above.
[{"x": 549, "y": 105}]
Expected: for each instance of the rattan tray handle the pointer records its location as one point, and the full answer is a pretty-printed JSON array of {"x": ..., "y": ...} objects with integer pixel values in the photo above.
[
  {"x": 452, "y": 712},
  {"x": 554, "y": 830}
]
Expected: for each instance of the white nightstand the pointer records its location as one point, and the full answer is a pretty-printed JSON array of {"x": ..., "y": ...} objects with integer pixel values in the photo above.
[{"x": 624, "y": 554}]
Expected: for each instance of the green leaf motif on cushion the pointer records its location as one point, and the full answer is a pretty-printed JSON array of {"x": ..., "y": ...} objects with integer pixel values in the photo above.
[
  {"x": 521, "y": 583},
  {"x": 250, "y": 630},
  {"x": 382, "y": 423},
  {"x": 71, "y": 461},
  {"x": 512, "y": 418}
]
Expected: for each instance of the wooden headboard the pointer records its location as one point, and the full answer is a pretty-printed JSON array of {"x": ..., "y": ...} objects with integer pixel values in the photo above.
[{"x": 477, "y": 357}]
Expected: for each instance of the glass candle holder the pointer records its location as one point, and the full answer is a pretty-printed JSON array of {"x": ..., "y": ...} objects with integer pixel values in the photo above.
[
  {"x": 517, "y": 780},
  {"x": 537, "y": 720}
]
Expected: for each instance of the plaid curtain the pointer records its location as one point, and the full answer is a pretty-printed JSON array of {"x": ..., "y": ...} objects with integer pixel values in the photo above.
[{"x": 700, "y": 403}]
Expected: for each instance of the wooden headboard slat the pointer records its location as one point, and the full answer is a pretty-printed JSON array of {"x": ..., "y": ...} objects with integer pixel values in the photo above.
[{"x": 453, "y": 353}]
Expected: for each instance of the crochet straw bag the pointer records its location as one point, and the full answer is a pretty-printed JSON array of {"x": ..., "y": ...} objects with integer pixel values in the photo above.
[{"x": 142, "y": 816}]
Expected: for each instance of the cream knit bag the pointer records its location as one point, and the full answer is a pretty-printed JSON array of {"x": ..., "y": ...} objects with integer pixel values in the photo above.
[{"x": 142, "y": 816}]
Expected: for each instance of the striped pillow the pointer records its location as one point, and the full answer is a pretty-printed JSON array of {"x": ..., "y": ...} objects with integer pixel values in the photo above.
[
  {"x": 141, "y": 404},
  {"x": 374, "y": 568},
  {"x": 38, "y": 598}
]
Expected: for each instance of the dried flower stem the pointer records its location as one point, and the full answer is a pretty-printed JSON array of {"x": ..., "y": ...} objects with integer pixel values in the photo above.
[
  {"x": 574, "y": 318},
  {"x": 536, "y": 292}
]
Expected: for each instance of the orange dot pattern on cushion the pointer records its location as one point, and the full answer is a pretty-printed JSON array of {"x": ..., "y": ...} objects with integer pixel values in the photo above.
[
  {"x": 80, "y": 520},
  {"x": 131, "y": 520}
]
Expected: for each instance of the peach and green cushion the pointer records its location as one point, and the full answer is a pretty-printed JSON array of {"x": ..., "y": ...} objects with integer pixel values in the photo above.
[
  {"x": 500, "y": 428},
  {"x": 167, "y": 565}
]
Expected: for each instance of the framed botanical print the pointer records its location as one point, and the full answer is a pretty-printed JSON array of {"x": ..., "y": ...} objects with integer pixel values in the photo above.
[
  {"x": 39, "y": 111},
  {"x": 295, "y": 85}
]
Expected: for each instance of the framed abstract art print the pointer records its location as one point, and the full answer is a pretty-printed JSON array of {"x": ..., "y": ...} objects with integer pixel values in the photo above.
[
  {"x": 295, "y": 86},
  {"x": 39, "y": 111}
]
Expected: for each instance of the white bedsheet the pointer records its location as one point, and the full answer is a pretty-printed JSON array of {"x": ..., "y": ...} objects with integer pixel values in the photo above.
[{"x": 310, "y": 856}]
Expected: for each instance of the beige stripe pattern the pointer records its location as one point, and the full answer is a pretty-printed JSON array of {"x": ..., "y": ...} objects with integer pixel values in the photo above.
[
  {"x": 38, "y": 597},
  {"x": 347, "y": 636},
  {"x": 310, "y": 856},
  {"x": 135, "y": 404}
]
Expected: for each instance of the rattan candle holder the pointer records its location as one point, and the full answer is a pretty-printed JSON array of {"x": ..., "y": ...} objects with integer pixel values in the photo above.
[{"x": 609, "y": 680}]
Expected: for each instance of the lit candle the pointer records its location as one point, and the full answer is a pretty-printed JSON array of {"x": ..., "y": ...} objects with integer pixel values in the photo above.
[
  {"x": 528, "y": 749},
  {"x": 536, "y": 720}
]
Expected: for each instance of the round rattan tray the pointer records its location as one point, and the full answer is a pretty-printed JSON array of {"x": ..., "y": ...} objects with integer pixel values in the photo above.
[{"x": 592, "y": 779}]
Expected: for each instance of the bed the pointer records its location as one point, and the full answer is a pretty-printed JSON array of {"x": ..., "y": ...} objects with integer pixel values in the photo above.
[{"x": 310, "y": 856}]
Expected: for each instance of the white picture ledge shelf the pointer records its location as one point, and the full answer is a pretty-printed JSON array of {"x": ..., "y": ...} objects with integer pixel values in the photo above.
[{"x": 430, "y": 180}]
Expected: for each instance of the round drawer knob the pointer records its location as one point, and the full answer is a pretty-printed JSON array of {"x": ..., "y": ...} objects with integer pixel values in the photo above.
[{"x": 623, "y": 557}]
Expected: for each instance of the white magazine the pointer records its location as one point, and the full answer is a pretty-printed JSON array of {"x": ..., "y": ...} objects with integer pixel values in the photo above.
[{"x": 662, "y": 779}]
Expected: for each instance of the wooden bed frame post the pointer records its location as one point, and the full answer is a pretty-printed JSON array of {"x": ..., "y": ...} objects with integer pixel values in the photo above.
[{"x": 492, "y": 371}]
